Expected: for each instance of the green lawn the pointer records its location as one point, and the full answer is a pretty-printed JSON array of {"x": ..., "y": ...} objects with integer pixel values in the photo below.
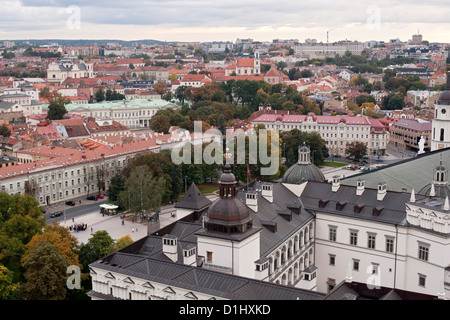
[
  {"x": 335, "y": 164},
  {"x": 205, "y": 188},
  {"x": 208, "y": 187}
]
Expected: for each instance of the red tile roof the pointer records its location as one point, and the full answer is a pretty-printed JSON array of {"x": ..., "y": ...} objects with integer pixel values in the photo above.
[{"x": 245, "y": 62}]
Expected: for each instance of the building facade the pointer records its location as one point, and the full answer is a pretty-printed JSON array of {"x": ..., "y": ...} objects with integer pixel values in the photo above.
[
  {"x": 337, "y": 131},
  {"x": 135, "y": 113},
  {"x": 62, "y": 70},
  {"x": 405, "y": 134}
]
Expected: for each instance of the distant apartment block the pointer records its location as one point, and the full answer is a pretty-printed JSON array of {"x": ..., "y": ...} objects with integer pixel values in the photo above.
[
  {"x": 308, "y": 50},
  {"x": 218, "y": 46}
]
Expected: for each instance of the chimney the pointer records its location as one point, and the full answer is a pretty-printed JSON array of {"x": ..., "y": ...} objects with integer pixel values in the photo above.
[
  {"x": 432, "y": 191},
  {"x": 413, "y": 196},
  {"x": 382, "y": 190},
  {"x": 349, "y": 277},
  {"x": 189, "y": 255},
  {"x": 336, "y": 183},
  {"x": 170, "y": 247},
  {"x": 251, "y": 200},
  {"x": 441, "y": 292},
  {"x": 267, "y": 192},
  {"x": 360, "y": 187}
]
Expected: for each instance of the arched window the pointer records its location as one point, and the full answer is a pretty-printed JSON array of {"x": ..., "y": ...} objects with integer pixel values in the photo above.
[{"x": 442, "y": 135}]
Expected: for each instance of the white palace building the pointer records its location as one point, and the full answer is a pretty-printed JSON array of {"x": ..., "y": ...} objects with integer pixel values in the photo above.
[{"x": 305, "y": 239}]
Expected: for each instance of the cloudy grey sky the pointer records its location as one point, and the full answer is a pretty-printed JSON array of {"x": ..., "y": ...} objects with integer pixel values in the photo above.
[{"x": 208, "y": 20}]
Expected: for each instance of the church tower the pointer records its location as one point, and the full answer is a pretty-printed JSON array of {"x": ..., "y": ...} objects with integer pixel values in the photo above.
[
  {"x": 228, "y": 241},
  {"x": 257, "y": 63},
  {"x": 440, "y": 134}
]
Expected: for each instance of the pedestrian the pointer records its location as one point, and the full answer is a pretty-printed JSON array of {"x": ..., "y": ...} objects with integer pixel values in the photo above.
[
  {"x": 92, "y": 230},
  {"x": 123, "y": 222},
  {"x": 73, "y": 219},
  {"x": 132, "y": 229}
]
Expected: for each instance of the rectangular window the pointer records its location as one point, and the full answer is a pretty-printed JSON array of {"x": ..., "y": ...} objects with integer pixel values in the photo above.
[
  {"x": 333, "y": 233},
  {"x": 422, "y": 279},
  {"x": 354, "y": 238},
  {"x": 209, "y": 256},
  {"x": 423, "y": 252},
  {"x": 332, "y": 259},
  {"x": 371, "y": 241},
  {"x": 355, "y": 265},
  {"x": 390, "y": 245}
]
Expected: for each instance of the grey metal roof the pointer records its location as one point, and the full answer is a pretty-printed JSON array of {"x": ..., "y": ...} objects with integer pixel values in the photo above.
[
  {"x": 392, "y": 206},
  {"x": 194, "y": 199},
  {"x": 298, "y": 172},
  {"x": 342, "y": 292},
  {"x": 409, "y": 174},
  {"x": 202, "y": 280},
  {"x": 6, "y": 105},
  {"x": 268, "y": 214},
  {"x": 391, "y": 295}
]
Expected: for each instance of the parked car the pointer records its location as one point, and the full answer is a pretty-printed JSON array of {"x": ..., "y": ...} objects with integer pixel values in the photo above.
[
  {"x": 380, "y": 160},
  {"x": 70, "y": 203},
  {"x": 56, "y": 214},
  {"x": 349, "y": 166},
  {"x": 92, "y": 198},
  {"x": 100, "y": 196}
]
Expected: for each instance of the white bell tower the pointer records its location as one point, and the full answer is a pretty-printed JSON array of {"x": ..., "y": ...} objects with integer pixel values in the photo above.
[{"x": 440, "y": 134}]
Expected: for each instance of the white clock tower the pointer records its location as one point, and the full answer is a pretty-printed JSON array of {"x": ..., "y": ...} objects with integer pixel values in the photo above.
[{"x": 440, "y": 135}]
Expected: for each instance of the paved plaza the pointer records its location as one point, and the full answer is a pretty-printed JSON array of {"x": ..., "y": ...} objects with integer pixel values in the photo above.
[{"x": 113, "y": 224}]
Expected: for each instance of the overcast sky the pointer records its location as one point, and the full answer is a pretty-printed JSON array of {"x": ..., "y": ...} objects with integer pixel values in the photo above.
[{"x": 207, "y": 20}]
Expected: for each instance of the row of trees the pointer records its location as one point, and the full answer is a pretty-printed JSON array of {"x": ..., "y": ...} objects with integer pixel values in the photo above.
[
  {"x": 108, "y": 95},
  {"x": 217, "y": 104},
  {"x": 34, "y": 257}
]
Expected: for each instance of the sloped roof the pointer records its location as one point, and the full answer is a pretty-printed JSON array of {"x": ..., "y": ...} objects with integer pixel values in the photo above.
[
  {"x": 391, "y": 209},
  {"x": 193, "y": 199},
  {"x": 198, "y": 279},
  {"x": 245, "y": 62},
  {"x": 409, "y": 174}
]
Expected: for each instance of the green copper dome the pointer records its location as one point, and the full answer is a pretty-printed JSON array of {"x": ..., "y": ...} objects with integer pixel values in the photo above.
[{"x": 303, "y": 169}]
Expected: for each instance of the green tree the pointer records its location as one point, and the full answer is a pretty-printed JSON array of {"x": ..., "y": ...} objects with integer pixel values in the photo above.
[
  {"x": 99, "y": 245},
  {"x": 143, "y": 192},
  {"x": 4, "y": 130},
  {"x": 100, "y": 95},
  {"x": 160, "y": 123},
  {"x": 8, "y": 289},
  {"x": 56, "y": 108},
  {"x": 393, "y": 101},
  {"x": 45, "y": 273},
  {"x": 356, "y": 149},
  {"x": 116, "y": 186},
  {"x": 122, "y": 242}
]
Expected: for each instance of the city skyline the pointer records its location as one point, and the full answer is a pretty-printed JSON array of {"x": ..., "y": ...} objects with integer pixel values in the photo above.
[{"x": 200, "y": 21}]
